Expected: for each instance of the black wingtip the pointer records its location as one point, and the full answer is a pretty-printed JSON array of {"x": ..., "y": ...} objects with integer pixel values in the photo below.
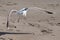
[
  {"x": 26, "y": 8},
  {"x": 49, "y": 12}
]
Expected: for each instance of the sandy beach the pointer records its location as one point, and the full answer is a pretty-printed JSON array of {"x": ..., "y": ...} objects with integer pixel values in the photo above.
[{"x": 40, "y": 24}]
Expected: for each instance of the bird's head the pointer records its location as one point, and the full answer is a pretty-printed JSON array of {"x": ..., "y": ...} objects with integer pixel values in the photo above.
[{"x": 23, "y": 11}]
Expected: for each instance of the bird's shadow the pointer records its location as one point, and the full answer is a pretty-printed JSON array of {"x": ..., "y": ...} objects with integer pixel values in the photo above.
[{"x": 3, "y": 33}]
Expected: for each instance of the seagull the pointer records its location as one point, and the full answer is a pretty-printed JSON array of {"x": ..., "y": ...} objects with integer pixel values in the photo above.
[{"x": 24, "y": 11}]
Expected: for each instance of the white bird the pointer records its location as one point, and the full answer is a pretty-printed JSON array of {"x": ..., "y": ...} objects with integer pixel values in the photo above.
[{"x": 23, "y": 12}]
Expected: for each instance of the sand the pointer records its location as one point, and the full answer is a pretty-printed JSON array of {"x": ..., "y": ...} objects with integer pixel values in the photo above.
[{"x": 42, "y": 25}]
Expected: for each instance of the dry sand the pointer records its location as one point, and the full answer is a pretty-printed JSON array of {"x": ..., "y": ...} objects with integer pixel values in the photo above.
[{"x": 43, "y": 26}]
